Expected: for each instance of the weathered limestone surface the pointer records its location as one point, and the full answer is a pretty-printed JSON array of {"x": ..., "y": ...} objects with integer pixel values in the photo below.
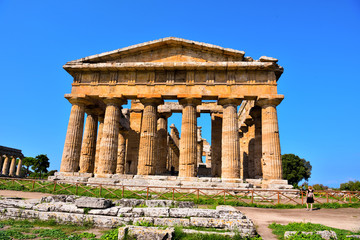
[
  {"x": 188, "y": 140},
  {"x": 98, "y": 141},
  {"x": 103, "y": 213},
  {"x": 18, "y": 169},
  {"x": 109, "y": 140},
  {"x": 88, "y": 148},
  {"x": 230, "y": 153},
  {"x": 120, "y": 164},
  {"x": 6, "y": 165},
  {"x": 174, "y": 155},
  {"x": 271, "y": 161},
  {"x": 162, "y": 144},
  {"x": 145, "y": 233},
  {"x": 12, "y": 167},
  {"x": 256, "y": 114},
  {"x": 72, "y": 146},
  {"x": 147, "y": 148},
  {"x": 132, "y": 151}
]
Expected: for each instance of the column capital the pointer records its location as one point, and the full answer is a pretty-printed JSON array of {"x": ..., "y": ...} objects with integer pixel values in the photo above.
[
  {"x": 164, "y": 114},
  {"x": 190, "y": 101},
  {"x": 114, "y": 101},
  {"x": 95, "y": 111},
  {"x": 78, "y": 100},
  {"x": 229, "y": 101},
  {"x": 264, "y": 102},
  {"x": 255, "y": 112},
  {"x": 151, "y": 101}
]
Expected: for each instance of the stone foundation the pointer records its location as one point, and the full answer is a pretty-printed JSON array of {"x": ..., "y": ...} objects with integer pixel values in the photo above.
[
  {"x": 105, "y": 213},
  {"x": 169, "y": 181}
]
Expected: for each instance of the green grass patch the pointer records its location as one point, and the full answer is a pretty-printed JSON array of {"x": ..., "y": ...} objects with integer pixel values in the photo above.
[
  {"x": 279, "y": 230},
  {"x": 68, "y": 189}
]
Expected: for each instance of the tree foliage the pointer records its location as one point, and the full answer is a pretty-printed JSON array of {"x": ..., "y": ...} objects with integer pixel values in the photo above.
[
  {"x": 295, "y": 168},
  {"x": 28, "y": 162},
  {"x": 41, "y": 165},
  {"x": 350, "y": 186}
]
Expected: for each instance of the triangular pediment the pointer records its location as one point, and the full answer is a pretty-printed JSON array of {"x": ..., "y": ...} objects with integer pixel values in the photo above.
[{"x": 166, "y": 50}]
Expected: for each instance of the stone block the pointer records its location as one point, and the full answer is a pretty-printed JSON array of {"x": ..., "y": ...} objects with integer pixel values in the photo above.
[
  {"x": 179, "y": 212},
  {"x": 184, "y": 204},
  {"x": 172, "y": 222},
  {"x": 112, "y": 211},
  {"x": 228, "y": 212},
  {"x": 145, "y": 233},
  {"x": 159, "y": 203},
  {"x": 129, "y": 202},
  {"x": 88, "y": 202},
  {"x": 141, "y": 220},
  {"x": 17, "y": 203},
  {"x": 138, "y": 212},
  {"x": 156, "y": 212},
  {"x": 241, "y": 225},
  {"x": 125, "y": 212}
]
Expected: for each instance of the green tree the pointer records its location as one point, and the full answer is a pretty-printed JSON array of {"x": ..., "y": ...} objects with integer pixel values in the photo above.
[
  {"x": 295, "y": 168},
  {"x": 41, "y": 165},
  {"x": 28, "y": 162},
  {"x": 350, "y": 186}
]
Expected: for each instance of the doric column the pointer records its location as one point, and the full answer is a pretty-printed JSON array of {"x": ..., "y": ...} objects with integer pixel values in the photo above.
[
  {"x": 110, "y": 137},
  {"x": 188, "y": 140},
  {"x": 230, "y": 155},
  {"x": 244, "y": 143},
  {"x": 162, "y": 144},
  {"x": 120, "y": 164},
  {"x": 256, "y": 115},
  {"x": 216, "y": 132},
  {"x": 12, "y": 166},
  {"x": 199, "y": 146},
  {"x": 250, "y": 146},
  {"x": 72, "y": 146},
  {"x": 271, "y": 153},
  {"x": 174, "y": 156},
  {"x": 98, "y": 141},
  {"x": 18, "y": 170},
  {"x": 147, "y": 147},
  {"x": 6, "y": 165},
  {"x": 1, "y": 162},
  {"x": 88, "y": 148}
]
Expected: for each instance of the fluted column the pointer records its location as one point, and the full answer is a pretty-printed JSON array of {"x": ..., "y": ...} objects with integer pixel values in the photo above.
[
  {"x": 12, "y": 166},
  {"x": 147, "y": 147},
  {"x": 98, "y": 141},
  {"x": 72, "y": 146},
  {"x": 174, "y": 156},
  {"x": 110, "y": 137},
  {"x": 88, "y": 148},
  {"x": 256, "y": 114},
  {"x": 271, "y": 152},
  {"x": 1, "y": 163},
  {"x": 120, "y": 164},
  {"x": 162, "y": 143},
  {"x": 188, "y": 140},
  {"x": 216, "y": 132},
  {"x": 19, "y": 166},
  {"x": 199, "y": 146},
  {"x": 230, "y": 155},
  {"x": 6, "y": 165}
]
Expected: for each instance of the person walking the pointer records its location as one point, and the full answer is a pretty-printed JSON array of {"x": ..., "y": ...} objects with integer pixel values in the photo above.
[{"x": 309, "y": 198}]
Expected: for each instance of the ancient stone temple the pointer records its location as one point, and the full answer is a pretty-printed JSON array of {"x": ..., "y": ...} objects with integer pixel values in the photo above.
[
  {"x": 10, "y": 162},
  {"x": 203, "y": 79}
]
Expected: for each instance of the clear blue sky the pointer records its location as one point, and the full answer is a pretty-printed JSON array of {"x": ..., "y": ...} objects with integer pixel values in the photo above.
[{"x": 317, "y": 43}]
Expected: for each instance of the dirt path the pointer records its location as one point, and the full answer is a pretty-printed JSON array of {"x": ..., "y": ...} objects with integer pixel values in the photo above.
[
  {"x": 26, "y": 195},
  {"x": 343, "y": 218}
]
